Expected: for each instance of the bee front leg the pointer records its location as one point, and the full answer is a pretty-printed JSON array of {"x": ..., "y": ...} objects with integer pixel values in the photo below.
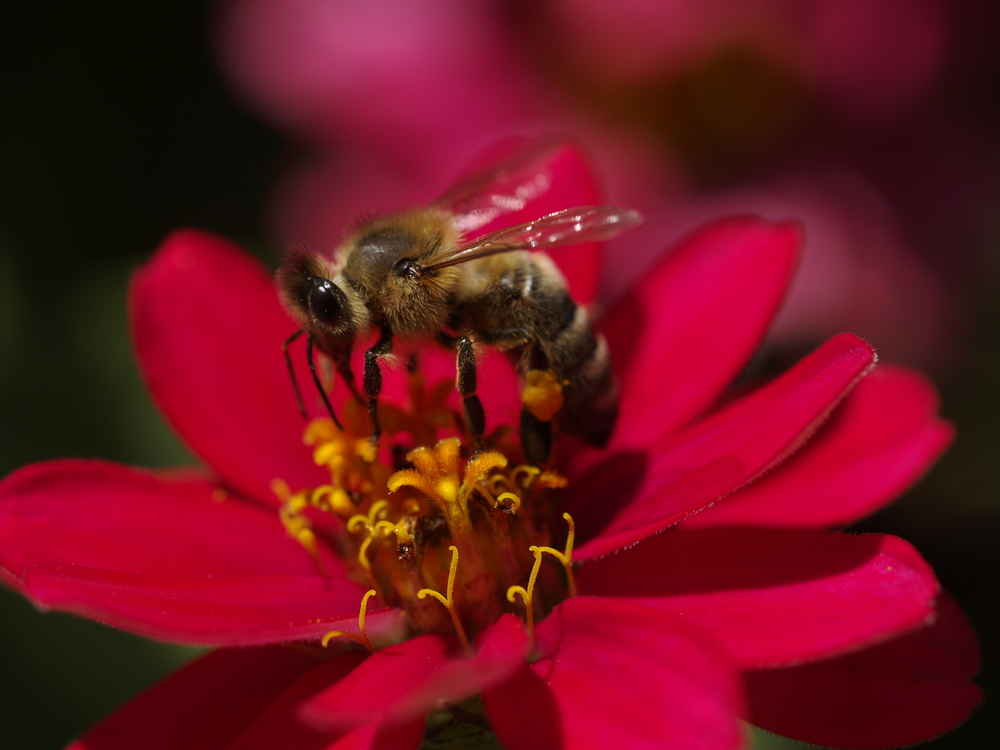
[
  {"x": 475, "y": 418},
  {"x": 373, "y": 379}
]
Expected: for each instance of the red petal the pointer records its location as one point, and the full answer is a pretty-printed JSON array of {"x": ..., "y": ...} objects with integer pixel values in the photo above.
[
  {"x": 614, "y": 674},
  {"x": 228, "y": 696},
  {"x": 775, "y": 597},
  {"x": 208, "y": 329},
  {"x": 879, "y": 442},
  {"x": 169, "y": 559},
  {"x": 375, "y": 736},
  {"x": 103, "y": 515},
  {"x": 716, "y": 456},
  {"x": 403, "y": 681},
  {"x": 226, "y": 611},
  {"x": 900, "y": 693},
  {"x": 682, "y": 335}
]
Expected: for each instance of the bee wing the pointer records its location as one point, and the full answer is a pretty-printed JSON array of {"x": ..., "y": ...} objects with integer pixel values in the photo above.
[
  {"x": 504, "y": 188},
  {"x": 569, "y": 227}
]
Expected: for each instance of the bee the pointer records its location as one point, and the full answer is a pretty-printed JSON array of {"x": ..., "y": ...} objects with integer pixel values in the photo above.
[{"x": 429, "y": 273}]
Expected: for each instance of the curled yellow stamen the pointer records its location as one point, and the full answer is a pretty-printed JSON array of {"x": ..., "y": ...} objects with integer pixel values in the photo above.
[
  {"x": 363, "y": 638},
  {"x": 566, "y": 557},
  {"x": 329, "y": 498},
  {"x": 367, "y": 520},
  {"x": 527, "y": 593},
  {"x": 530, "y": 472},
  {"x": 399, "y": 529},
  {"x": 449, "y": 602},
  {"x": 507, "y": 502}
]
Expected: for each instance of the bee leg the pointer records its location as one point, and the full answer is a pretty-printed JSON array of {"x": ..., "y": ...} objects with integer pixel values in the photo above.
[
  {"x": 291, "y": 371},
  {"x": 475, "y": 418},
  {"x": 536, "y": 438},
  {"x": 536, "y": 435},
  {"x": 319, "y": 384},
  {"x": 373, "y": 379}
]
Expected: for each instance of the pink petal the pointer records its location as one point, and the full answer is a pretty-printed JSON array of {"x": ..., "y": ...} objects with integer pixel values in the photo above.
[
  {"x": 225, "y": 697},
  {"x": 775, "y": 597},
  {"x": 208, "y": 329},
  {"x": 902, "y": 692},
  {"x": 716, "y": 456},
  {"x": 682, "y": 335},
  {"x": 177, "y": 559},
  {"x": 879, "y": 442},
  {"x": 403, "y": 681},
  {"x": 615, "y": 674}
]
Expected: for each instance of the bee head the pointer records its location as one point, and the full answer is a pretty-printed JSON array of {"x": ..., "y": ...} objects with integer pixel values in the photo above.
[{"x": 318, "y": 304}]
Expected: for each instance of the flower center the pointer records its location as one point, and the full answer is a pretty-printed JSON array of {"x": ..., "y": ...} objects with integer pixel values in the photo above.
[{"x": 454, "y": 538}]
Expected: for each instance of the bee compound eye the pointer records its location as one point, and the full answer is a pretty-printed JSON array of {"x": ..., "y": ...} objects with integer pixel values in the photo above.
[{"x": 326, "y": 302}]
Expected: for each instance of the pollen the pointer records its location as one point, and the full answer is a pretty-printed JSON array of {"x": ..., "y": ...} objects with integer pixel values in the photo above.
[{"x": 542, "y": 394}]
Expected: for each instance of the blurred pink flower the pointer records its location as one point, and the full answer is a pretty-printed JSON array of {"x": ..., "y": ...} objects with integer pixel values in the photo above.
[
  {"x": 839, "y": 639},
  {"x": 391, "y": 94}
]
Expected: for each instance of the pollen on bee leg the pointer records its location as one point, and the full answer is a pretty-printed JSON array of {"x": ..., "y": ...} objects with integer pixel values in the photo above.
[
  {"x": 542, "y": 394},
  {"x": 449, "y": 602},
  {"x": 363, "y": 637}
]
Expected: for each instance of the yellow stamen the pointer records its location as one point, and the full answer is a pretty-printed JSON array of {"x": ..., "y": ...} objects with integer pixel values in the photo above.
[
  {"x": 399, "y": 529},
  {"x": 542, "y": 394},
  {"x": 449, "y": 602},
  {"x": 527, "y": 593},
  {"x": 508, "y": 502},
  {"x": 367, "y": 520},
  {"x": 326, "y": 497},
  {"x": 566, "y": 558},
  {"x": 363, "y": 638}
]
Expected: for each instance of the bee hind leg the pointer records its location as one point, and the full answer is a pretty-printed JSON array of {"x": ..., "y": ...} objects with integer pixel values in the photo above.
[{"x": 475, "y": 417}]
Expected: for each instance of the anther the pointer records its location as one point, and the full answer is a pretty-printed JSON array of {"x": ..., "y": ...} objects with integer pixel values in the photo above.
[
  {"x": 449, "y": 602},
  {"x": 363, "y": 638}
]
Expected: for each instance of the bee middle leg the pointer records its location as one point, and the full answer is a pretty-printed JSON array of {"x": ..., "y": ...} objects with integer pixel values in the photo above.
[
  {"x": 373, "y": 379},
  {"x": 475, "y": 418}
]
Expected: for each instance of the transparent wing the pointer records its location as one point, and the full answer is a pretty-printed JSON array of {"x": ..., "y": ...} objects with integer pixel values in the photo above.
[
  {"x": 505, "y": 187},
  {"x": 570, "y": 227}
]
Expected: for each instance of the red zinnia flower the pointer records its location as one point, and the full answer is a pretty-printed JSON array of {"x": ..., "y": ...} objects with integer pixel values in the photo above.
[{"x": 841, "y": 639}]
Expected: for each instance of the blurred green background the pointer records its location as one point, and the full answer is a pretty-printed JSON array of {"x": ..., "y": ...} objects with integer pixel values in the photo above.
[{"x": 115, "y": 130}]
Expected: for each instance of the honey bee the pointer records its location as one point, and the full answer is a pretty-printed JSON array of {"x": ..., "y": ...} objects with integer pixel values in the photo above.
[{"x": 425, "y": 273}]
